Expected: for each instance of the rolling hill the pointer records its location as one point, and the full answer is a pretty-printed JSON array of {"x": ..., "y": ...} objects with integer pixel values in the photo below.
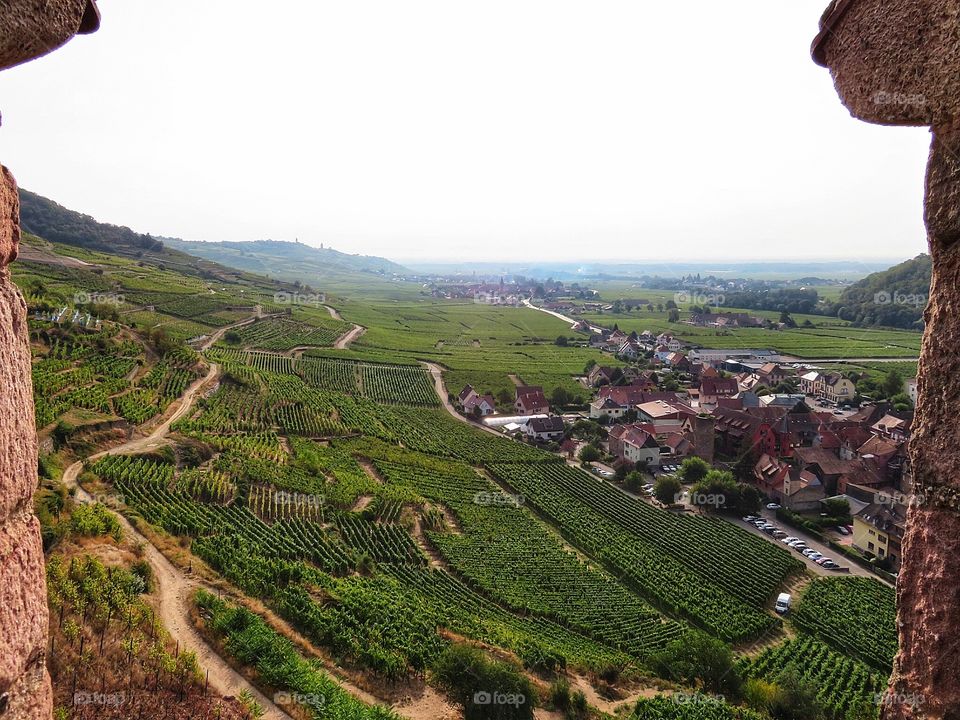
[
  {"x": 323, "y": 268},
  {"x": 894, "y": 297}
]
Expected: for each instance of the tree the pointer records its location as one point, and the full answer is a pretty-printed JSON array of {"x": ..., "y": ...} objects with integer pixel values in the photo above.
[
  {"x": 666, "y": 489},
  {"x": 901, "y": 402},
  {"x": 589, "y": 453},
  {"x": 560, "y": 397},
  {"x": 694, "y": 469},
  {"x": 697, "y": 656},
  {"x": 785, "y": 319},
  {"x": 673, "y": 316},
  {"x": 504, "y": 397},
  {"x": 467, "y": 673},
  {"x": 837, "y": 507},
  {"x": 561, "y": 341},
  {"x": 892, "y": 384},
  {"x": 634, "y": 481}
]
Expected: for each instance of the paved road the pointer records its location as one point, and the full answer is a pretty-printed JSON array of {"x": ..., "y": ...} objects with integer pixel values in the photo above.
[
  {"x": 559, "y": 316},
  {"x": 811, "y": 542}
]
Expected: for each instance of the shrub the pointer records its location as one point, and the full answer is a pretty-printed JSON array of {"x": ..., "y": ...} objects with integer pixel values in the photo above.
[{"x": 480, "y": 684}]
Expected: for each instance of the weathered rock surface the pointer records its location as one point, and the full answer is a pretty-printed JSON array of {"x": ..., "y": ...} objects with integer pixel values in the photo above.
[
  {"x": 24, "y": 683},
  {"x": 897, "y": 62},
  {"x": 31, "y": 28},
  {"x": 28, "y": 29}
]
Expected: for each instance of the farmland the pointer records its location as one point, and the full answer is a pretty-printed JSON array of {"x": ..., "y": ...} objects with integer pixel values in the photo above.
[
  {"x": 854, "y": 616},
  {"x": 332, "y": 487},
  {"x": 844, "y": 684},
  {"x": 682, "y": 564}
]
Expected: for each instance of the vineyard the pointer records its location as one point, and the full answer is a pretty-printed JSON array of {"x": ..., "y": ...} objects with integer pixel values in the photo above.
[
  {"x": 283, "y": 333},
  {"x": 843, "y": 684},
  {"x": 690, "y": 707},
  {"x": 855, "y": 616},
  {"x": 504, "y": 551},
  {"x": 702, "y": 568},
  {"x": 382, "y": 383},
  {"x": 248, "y": 638}
]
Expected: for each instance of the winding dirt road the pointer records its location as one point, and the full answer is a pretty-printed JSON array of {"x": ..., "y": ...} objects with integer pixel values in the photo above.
[
  {"x": 175, "y": 589},
  {"x": 343, "y": 342},
  {"x": 437, "y": 372}
]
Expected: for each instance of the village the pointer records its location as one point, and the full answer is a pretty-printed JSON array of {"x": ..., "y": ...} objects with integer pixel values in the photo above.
[{"x": 834, "y": 473}]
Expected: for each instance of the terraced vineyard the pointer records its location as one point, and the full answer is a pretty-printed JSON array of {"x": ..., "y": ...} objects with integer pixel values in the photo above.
[
  {"x": 690, "y": 707},
  {"x": 503, "y": 550},
  {"x": 382, "y": 383},
  {"x": 281, "y": 333},
  {"x": 843, "y": 684},
  {"x": 248, "y": 638},
  {"x": 704, "y": 569},
  {"x": 855, "y": 616}
]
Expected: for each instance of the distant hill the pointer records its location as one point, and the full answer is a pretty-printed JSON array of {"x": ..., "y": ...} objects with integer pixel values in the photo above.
[
  {"x": 288, "y": 260},
  {"x": 892, "y": 298}
]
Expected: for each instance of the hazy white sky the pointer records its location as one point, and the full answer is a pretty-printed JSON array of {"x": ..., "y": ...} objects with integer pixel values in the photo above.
[{"x": 495, "y": 130}]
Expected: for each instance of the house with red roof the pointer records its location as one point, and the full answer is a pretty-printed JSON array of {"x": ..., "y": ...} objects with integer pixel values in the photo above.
[{"x": 530, "y": 400}]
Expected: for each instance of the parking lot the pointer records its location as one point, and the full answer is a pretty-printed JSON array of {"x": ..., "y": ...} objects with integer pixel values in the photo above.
[{"x": 846, "y": 567}]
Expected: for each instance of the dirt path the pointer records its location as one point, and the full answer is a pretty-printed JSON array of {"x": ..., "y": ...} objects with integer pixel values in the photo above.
[
  {"x": 174, "y": 589},
  {"x": 348, "y": 337},
  {"x": 333, "y": 312},
  {"x": 441, "y": 389},
  {"x": 175, "y": 592},
  {"x": 158, "y": 436}
]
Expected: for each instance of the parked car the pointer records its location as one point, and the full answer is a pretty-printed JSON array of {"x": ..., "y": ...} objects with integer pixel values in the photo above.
[
  {"x": 808, "y": 552},
  {"x": 768, "y": 530},
  {"x": 783, "y": 603},
  {"x": 773, "y": 506},
  {"x": 831, "y": 565},
  {"x": 799, "y": 546},
  {"x": 789, "y": 539},
  {"x": 779, "y": 534},
  {"x": 842, "y": 530},
  {"x": 823, "y": 560},
  {"x": 750, "y": 518}
]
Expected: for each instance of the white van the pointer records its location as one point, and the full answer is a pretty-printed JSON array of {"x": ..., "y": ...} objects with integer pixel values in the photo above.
[{"x": 783, "y": 603}]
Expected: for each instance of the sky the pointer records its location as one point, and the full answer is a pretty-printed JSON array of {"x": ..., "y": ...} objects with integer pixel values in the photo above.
[{"x": 443, "y": 130}]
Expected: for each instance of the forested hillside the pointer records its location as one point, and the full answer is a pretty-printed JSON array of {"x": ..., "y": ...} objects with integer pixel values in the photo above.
[{"x": 892, "y": 298}]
